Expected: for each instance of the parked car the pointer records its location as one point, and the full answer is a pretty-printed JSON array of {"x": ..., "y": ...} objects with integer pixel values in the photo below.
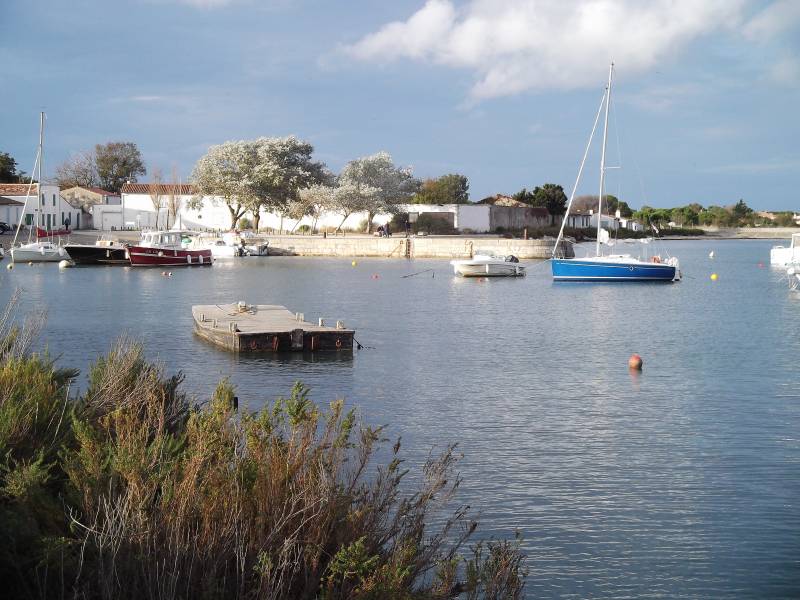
[{"x": 4, "y": 227}]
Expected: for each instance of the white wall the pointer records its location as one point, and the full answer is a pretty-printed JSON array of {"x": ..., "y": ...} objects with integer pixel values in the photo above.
[
  {"x": 607, "y": 222},
  {"x": 475, "y": 217},
  {"x": 214, "y": 215}
]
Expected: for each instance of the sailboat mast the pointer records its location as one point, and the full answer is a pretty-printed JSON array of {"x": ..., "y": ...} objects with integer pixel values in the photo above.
[
  {"x": 40, "y": 200},
  {"x": 603, "y": 160}
]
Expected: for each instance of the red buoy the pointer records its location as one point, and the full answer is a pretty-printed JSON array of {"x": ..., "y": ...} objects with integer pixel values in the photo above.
[{"x": 635, "y": 362}]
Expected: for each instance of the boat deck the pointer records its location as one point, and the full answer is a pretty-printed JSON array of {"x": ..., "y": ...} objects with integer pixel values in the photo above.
[{"x": 266, "y": 328}]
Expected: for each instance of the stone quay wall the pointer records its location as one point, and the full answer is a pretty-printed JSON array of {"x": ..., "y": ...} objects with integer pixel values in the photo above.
[{"x": 413, "y": 247}]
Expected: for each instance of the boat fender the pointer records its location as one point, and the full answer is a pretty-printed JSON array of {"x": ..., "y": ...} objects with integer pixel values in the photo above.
[
  {"x": 656, "y": 259},
  {"x": 253, "y": 345},
  {"x": 338, "y": 342}
]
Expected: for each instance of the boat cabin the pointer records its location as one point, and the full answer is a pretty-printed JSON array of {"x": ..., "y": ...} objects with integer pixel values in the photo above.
[{"x": 166, "y": 239}]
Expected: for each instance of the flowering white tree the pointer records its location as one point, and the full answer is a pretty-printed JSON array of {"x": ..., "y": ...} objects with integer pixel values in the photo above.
[
  {"x": 281, "y": 167},
  {"x": 377, "y": 181},
  {"x": 225, "y": 172}
]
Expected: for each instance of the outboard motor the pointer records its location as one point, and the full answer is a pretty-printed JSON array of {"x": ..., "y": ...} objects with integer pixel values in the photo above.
[{"x": 512, "y": 259}]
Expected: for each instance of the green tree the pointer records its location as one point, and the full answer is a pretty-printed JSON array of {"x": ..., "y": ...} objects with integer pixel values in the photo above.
[
  {"x": 741, "y": 210},
  {"x": 447, "y": 189},
  {"x": 524, "y": 196},
  {"x": 8, "y": 168},
  {"x": 552, "y": 197},
  {"x": 612, "y": 204},
  {"x": 118, "y": 162}
]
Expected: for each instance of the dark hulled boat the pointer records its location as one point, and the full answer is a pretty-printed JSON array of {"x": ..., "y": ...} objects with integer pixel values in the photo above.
[{"x": 103, "y": 252}]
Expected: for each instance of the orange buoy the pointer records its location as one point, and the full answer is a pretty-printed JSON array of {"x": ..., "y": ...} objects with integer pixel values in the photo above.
[{"x": 635, "y": 362}]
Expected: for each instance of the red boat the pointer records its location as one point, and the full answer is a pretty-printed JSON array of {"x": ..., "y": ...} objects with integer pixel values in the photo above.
[
  {"x": 168, "y": 249},
  {"x": 45, "y": 233}
]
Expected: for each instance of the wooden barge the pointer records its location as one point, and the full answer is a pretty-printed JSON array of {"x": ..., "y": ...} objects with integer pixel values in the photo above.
[{"x": 241, "y": 327}]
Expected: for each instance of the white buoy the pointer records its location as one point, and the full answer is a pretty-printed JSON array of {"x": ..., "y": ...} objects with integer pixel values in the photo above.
[
  {"x": 64, "y": 264},
  {"x": 711, "y": 254},
  {"x": 10, "y": 266}
]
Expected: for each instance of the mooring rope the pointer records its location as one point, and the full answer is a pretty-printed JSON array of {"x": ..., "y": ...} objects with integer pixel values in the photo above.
[{"x": 418, "y": 273}]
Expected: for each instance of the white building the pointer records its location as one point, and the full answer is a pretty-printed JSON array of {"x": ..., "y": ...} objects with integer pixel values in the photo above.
[
  {"x": 145, "y": 206},
  {"x": 46, "y": 208},
  {"x": 580, "y": 219},
  {"x": 630, "y": 224},
  {"x": 606, "y": 222}
]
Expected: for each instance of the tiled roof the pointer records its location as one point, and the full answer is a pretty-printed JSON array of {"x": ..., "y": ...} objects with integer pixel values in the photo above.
[
  {"x": 9, "y": 202},
  {"x": 163, "y": 188},
  {"x": 94, "y": 190},
  {"x": 17, "y": 189}
]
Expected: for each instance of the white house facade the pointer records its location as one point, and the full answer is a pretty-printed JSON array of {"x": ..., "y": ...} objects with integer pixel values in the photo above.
[
  {"x": 606, "y": 222},
  {"x": 46, "y": 208}
]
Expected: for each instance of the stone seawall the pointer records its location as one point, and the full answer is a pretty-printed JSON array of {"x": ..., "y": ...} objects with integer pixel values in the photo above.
[{"x": 414, "y": 247}]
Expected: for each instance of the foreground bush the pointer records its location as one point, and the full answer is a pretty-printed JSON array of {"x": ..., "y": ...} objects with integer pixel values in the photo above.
[{"x": 130, "y": 491}]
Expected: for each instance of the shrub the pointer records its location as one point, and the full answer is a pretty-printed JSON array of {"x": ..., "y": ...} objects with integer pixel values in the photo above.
[
  {"x": 129, "y": 490},
  {"x": 433, "y": 224}
]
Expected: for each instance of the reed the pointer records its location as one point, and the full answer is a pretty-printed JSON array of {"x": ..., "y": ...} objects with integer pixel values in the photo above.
[{"x": 131, "y": 490}]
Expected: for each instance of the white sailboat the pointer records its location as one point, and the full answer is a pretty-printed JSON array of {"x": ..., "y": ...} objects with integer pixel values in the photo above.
[
  {"x": 38, "y": 251},
  {"x": 614, "y": 267}
]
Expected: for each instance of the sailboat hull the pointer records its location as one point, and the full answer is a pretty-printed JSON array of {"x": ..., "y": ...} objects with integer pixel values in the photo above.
[{"x": 573, "y": 269}]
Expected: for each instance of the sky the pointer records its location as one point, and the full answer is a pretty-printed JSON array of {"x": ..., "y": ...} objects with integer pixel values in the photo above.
[{"x": 705, "y": 104}]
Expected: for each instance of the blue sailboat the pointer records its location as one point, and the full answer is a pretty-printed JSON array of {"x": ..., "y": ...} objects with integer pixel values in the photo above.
[{"x": 614, "y": 267}]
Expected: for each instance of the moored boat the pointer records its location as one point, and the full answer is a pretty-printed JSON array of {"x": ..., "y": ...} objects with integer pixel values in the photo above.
[
  {"x": 38, "y": 252},
  {"x": 168, "y": 249},
  {"x": 614, "y": 267},
  {"x": 102, "y": 252},
  {"x": 783, "y": 256},
  {"x": 488, "y": 264}
]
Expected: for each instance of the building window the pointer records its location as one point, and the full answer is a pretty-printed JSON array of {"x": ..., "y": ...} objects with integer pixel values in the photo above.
[
  {"x": 54, "y": 199},
  {"x": 42, "y": 199},
  {"x": 62, "y": 217}
]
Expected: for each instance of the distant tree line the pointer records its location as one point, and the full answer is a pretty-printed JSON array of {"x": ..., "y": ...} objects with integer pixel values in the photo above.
[{"x": 692, "y": 215}]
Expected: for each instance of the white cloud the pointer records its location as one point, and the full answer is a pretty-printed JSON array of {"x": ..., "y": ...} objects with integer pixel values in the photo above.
[
  {"x": 518, "y": 45},
  {"x": 775, "y": 19}
]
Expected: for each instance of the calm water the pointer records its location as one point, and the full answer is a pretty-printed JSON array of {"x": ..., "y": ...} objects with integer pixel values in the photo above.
[{"x": 681, "y": 481}]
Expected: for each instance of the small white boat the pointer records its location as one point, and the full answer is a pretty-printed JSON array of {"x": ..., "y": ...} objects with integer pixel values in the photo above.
[
  {"x": 38, "y": 252},
  {"x": 488, "y": 264},
  {"x": 230, "y": 246},
  {"x": 783, "y": 256}
]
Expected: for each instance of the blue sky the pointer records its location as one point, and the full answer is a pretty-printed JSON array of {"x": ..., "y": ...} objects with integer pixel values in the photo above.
[{"x": 504, "y": 91}]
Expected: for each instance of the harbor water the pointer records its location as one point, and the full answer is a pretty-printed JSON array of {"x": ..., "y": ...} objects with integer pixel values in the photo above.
[{"x": 679, "y": 481}]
